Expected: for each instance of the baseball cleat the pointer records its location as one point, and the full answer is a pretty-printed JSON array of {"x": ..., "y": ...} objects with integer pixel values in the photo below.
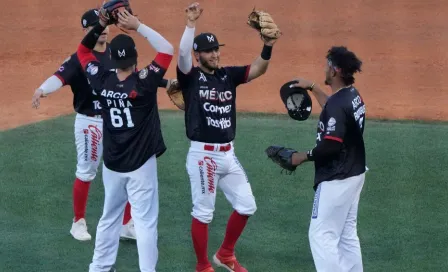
[
  {"x": 79, "y": 230},
  {"x": 229, "y": 263},
  {"x": 128, "y": 231}
]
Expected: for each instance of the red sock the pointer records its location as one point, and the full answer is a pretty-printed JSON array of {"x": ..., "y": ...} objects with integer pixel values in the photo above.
[
  {"x": 127, "y": 214},
  {"x": 235, "y": 227},
  {"x": 199, "y": 233},
  {"x": 80, "y": 194}
]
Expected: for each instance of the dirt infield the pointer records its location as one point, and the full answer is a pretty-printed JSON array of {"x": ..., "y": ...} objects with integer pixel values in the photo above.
[{"x": 402, "y": 44}]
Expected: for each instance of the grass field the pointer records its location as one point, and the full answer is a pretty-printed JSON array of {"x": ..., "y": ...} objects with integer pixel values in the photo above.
[{"x": 403, "y": 219}]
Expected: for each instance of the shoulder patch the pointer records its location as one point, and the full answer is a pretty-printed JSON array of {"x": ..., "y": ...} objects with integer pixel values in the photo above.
[{"x": 143, "y": 73}]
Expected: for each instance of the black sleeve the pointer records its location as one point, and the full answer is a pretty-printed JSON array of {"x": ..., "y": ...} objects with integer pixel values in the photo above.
[
  {"x": 325, "y": 151},
  {"x": 238, "y": 74},
  {"x": 68, "y": 69},
  {"x": 94, "y": 70},
  {"x": 152, "y": 75},
  {"x": 335, "y": 121}
]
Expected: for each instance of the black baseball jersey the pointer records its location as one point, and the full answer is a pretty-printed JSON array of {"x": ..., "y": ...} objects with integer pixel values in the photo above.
[
  {"x": 210, "y": 114},
  {"x": 342, "y": 119},
  {"x": 70, "y": 73},
  {"x": 131, "y": 124}
]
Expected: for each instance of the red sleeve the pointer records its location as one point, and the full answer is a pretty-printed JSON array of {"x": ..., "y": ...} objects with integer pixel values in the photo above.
[
  {"x": 328, "y": 137},
  {"x": 85, "y": 56},
  {"x": 163, "y": 60},
  {"x": 246, "y": 76}
]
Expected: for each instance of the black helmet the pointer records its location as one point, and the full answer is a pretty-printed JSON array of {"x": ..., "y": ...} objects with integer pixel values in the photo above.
[{"x": 297, "y": 101}]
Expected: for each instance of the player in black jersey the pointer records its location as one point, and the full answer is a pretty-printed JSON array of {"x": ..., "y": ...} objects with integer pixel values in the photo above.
[
  {"x": 340, "y": 165},
  {"x": 88, "y": 125},
  {"x": 88, "y": 128},
  {"x": 209, "y": 93},
  {"x": 132, "y": 138}
]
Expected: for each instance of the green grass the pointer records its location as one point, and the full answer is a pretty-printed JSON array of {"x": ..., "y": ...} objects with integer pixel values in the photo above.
[{"x": 403, "y": 218}]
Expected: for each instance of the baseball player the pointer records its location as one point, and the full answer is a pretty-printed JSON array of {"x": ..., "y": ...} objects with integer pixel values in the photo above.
[
  {"x": 132, "y": 135},
  {"x": 340, "y": 165},
  {"x": 88, "y": 126},
  {"x": 209, "y": 92}
]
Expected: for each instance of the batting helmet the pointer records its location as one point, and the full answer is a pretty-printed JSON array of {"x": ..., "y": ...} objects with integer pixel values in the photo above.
[{"x": 297, "y": 101}]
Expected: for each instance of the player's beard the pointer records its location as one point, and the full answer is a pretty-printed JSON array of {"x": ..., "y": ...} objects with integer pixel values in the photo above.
[{"x": 207, "y": 64}]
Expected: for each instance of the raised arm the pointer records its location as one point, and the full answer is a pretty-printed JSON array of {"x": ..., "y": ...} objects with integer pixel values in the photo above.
[
  {"x": 261, "y": 63},
  {"x": 318, "y": 93},
  {"x": 164, "y": 48},
  {"x": 185, "y": 60}
]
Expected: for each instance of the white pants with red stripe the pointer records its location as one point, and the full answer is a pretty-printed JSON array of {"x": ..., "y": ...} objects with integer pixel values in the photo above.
[
  {"x": 209, "y": 170},
  {"x": 333, "y": 234},
  {"x": 89, "y": 146}
]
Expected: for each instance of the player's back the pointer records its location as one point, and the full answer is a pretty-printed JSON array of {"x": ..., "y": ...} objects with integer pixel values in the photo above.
[
  {"x": 132, "y": 132},
  {"x": 343, "y": 120}
]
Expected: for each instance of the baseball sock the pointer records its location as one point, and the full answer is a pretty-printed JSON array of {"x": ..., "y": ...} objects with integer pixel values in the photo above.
[
  {"x": 235, "y": 227},
  {"x": 80, "y": 194},
  {"x": 199, "y": 233},
  {"x": 127, "y": 214}
]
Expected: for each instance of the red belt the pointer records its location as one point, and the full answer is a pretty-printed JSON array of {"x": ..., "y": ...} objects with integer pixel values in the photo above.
[{"x": 226, "y": 147}]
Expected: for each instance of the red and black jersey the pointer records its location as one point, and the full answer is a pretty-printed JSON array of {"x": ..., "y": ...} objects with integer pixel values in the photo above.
[
  {"x": 210, "y": 113},
  {"x": 131, "y": 124},
  {"x": 342, "y": 119},
  {"x": 71, "y": 73}
]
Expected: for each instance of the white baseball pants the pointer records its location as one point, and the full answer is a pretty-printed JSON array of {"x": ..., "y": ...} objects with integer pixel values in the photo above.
[
  {"x": 209, "y": 170},
  {"x": 333, "y": 234},
  {"x": 89, "y": 146},
  {"x": 140, "y": 187}
]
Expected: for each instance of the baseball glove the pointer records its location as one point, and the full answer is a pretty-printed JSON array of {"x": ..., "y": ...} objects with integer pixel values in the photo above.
[
  {"x": 109, "y": 10},
  {"x": 264, "y": 24},
  {"x": 281, "y": 156},
  {"x": 175, "y": 94}
]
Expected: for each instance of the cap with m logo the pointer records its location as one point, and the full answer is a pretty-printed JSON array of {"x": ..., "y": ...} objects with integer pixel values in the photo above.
[
  {"x": 205, "y": 42},
  {"x": 123, "y": 51}
]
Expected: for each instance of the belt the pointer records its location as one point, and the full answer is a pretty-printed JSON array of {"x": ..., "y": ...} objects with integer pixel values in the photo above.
[
  {"x": 95, "y": 116},
  {"x": 221, "y": 148}
]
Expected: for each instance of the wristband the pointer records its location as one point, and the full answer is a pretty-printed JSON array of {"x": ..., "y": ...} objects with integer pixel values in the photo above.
[
  {"x": 266, "y": 52},
  {"x": 92, "y": 37}
]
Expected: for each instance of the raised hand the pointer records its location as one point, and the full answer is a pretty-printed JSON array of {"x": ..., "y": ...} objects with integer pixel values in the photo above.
[
  {"x": 193, "y": 12},
  {"x": 127, "y": 21}
]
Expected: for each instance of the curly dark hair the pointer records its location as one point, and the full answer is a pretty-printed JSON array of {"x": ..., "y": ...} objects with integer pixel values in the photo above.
[{"x": 347, "y": 61}]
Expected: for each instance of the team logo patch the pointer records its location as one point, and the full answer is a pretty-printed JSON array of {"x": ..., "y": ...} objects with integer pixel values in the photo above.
[
  {"x": 92, "y": 69},
  {"x": 143, "y": 73},
  {"x": 133, "y": 94},
  {"x": 84, "y": 22},
  {"x": 331, "y": 124}
]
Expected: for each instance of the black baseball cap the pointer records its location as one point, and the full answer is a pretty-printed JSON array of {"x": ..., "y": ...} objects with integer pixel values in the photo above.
[
  {"x": 205, "y": 41},
  {"x": 90, "y": 18},
  {"x": 297, "y": 101},
  {"x": 123, "y": 51}
]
